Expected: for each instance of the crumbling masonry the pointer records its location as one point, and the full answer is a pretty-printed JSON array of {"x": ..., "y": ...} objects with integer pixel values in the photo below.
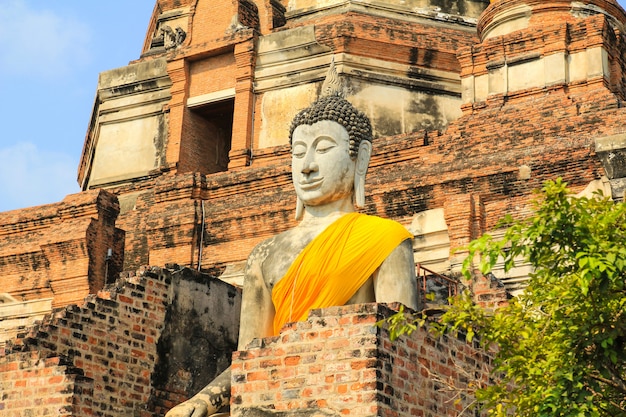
[{"x": 185, "y": 168}]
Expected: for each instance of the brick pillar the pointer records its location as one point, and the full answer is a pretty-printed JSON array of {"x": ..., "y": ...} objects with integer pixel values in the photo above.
[
  {"x": 240, "y": 151},
  {"x": 464, "y": 215},
  {"x": 339, "y": 363},
  {"x": 178, "y": 72}
]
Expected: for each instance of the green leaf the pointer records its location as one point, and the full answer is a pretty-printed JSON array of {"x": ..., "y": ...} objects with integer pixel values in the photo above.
[{"x": 568, "y": 325}]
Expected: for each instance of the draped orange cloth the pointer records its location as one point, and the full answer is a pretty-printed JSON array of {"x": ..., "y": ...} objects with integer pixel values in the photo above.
[{"x": 334, "y": 265}]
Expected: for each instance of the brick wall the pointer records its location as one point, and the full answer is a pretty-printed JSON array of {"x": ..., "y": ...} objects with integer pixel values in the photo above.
[
  {"x": 37, "y": 384},
  {"x": 418, "y": 44},
  {"x": 60, "y": 250},
  {"x": 338, "y": 363},
  {"x": 212, "y": 74},
  {"x": 141, "y": 345}
]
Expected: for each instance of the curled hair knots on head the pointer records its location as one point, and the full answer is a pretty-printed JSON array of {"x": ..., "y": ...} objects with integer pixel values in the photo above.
[{"x": 337, "y": 109}]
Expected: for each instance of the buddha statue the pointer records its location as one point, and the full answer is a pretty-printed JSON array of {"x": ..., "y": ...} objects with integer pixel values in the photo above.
[{"x": 335, "y": 255}]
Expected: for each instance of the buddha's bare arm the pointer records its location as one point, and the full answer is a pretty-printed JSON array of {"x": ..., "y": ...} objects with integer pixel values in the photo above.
[
  {"x": 257, "y": 309},
  {"x": 395, "y": 279},
  {"x": 257, "y": 313}
]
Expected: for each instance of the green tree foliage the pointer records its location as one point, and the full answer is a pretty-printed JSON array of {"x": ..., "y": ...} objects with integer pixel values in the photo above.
[{"x": 561, "y": 345}]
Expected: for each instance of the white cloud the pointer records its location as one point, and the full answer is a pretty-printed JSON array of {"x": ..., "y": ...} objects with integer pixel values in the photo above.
[
  {"x": 30, "y": 176},
  {"x": 39, "y": 42}
]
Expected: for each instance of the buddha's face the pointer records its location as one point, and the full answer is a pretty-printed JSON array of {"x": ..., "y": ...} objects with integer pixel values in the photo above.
[{"x": 322, "y": 169}]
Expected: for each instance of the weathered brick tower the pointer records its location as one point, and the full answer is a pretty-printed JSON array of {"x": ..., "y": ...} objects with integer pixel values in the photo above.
[{"x": 185, "y": 168}]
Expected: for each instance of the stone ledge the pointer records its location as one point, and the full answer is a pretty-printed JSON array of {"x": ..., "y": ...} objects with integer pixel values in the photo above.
[{"x": 612, "y": 153}]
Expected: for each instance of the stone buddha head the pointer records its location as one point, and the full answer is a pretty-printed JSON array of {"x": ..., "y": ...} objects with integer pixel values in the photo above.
[{"x": 331, "y": 143}]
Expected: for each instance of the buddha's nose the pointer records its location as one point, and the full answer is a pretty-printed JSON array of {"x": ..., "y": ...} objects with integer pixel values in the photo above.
[{"x": 309, "y": 166}]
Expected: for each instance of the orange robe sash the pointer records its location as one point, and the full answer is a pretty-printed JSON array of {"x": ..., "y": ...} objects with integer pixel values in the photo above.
[{"x": 334, "y": 265}]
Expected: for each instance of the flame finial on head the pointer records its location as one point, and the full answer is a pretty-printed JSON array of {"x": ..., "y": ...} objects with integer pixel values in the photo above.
[
  {"x": 332, "y": 105},
  {"x": 332, "y": 84}
]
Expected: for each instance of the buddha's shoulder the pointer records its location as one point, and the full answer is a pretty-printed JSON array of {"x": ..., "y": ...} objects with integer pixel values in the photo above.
[
  {"x": 263, "y": 249},
  {"x": 292, "y": 240}
]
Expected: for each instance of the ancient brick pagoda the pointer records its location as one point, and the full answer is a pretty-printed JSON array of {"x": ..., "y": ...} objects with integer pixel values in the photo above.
[{"x": 123, "y": 299}]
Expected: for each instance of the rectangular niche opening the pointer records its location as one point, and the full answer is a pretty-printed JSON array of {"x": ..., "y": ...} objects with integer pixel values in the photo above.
[{"x": 211, "y": 133}]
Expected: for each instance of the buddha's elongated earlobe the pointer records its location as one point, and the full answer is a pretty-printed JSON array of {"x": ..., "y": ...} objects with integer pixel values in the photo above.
[
  {"x": 299, "y": 208},
  {"x": 362, "y": 162}
]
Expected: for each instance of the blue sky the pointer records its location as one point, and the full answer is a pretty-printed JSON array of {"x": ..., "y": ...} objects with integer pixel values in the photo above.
[{"x": 52, "y": 52}]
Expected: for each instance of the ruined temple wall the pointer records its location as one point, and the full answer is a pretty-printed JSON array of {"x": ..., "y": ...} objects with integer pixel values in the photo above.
[
  {"x": 485, "y": 164},
  {"x": 211, "y": 75},
  {"x": 212, "y": 21},
  {"x": 475, "y": 171},
  {"x": 339, "y": 363},
  {"x": 250, "y": 53},
  {"x": 60, "y": 250},
  {"x": 479, "y": 167},
  {"x": 142, "y": 344},
  {"x": 402, "y": 72},
  {"x": 581, "y": 56},
  {"x": 109, "y": 341},
  {"x": 37, "y": 384}
]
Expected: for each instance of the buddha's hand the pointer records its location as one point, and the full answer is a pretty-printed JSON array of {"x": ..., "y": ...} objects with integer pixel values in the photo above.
[{"x": 193, "y": 407}]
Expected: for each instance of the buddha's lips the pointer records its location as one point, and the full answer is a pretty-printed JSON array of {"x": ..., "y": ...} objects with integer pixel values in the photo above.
[{"x": 309, "y": 185}]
